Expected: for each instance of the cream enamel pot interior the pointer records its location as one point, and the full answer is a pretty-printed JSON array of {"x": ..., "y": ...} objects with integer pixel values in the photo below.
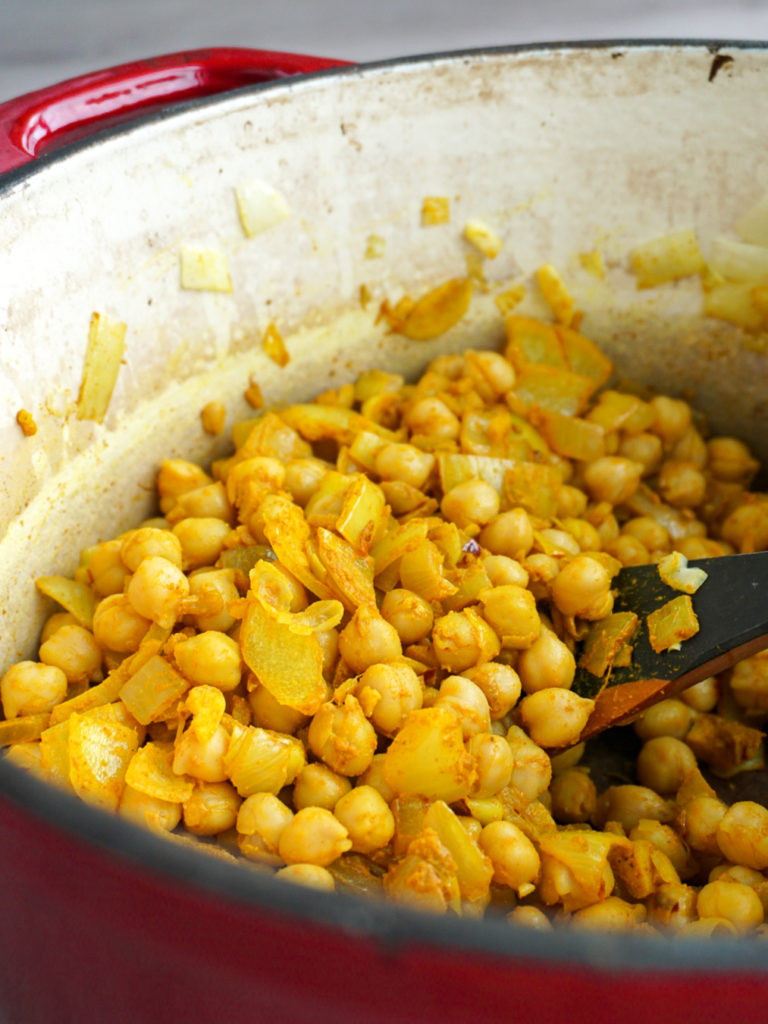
[{"x": 560, "y": 149}]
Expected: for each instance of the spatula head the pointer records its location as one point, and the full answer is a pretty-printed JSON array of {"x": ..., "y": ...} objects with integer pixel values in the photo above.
[{"x": 732, "y": 610}]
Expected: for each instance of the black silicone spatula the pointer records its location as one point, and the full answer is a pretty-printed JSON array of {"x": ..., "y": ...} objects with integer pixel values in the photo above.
[{"x": 732, "y": 609}]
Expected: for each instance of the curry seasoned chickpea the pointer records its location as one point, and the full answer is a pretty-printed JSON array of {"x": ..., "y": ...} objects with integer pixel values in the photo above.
[
  {"x": 409, "y": 614},
  {"x": 313, "y": 836},
  {"x": 149, "y": 811},
  {"x": 501, "y": 685},
  {"x": 210, "y": 658},
  {"x": 74, "y": 650},
  {"x": 742, "y": 834},
  {"x": 628, "y": 550},
  {"x": 270, "y": 713},
  {"x": 149, "y": 542},
  {"x": 311, "y": 875},
  {"x": 368, "y": 820},
  {"x": 399, "y": 691},
  {"x": 509, "y": 533},
  {"x": 627, "y": 804},
  {"x": 547, "y": 662},
  {"x": 201, "y": 539},
  {"x": 106, "y": 569},
  {"x": 699, "y": 823},
  {"x": 511, "y": 612},
  {"x": 209, "y": 502},
  {"x": 681, "y": 484},
  {"x": 374, "y": 776},
  {"x": 612, "y": 478},
  {"x": 203, "y": 760},
  {"x": 749, "y": 684},
  {"x": 651, "y": 534},
  {"x": 515, "y": 860},
  {"x": 30, "y": 687},
  {"x": 396, "y": 461},
  {"x": 317, "y": 785},
  {"x": 431, "y": 417},
  {"x": 493, "y": 762},
  {"x": 571, "y": 502},
  {"x": 664, "y": 838},
  {"x": 368, "y": 639},
  {"x": 467, "y": 700},
  {"x": 157, "y": 589},
  {"x": 503, "y": 570},
  {"x": 530, "y": 917},
  {"x": 673, "y": 418},
  {"x": 612, "y": 913},
  {"x": 473, "y": 501},
  {"x": 211, "y": 808},
  {"x": 264, "y": 815},
  {"x": 176, "y": 477},
  {"x": 531, "y": 766},
  {"x": 461, "y": 640},
  {"x": 574, "y": 796},
  {"x": 215, "y": 588},
  {"x": 583, "y": 588},
  {"x": 303, "y": 477},
  {"x": 663, "y": 763},
  {"x": 670, "y": 717},
  {"x": 492, "y": 374},
  {"x": 645, "y": 448},
  {"x": 343, "y": 737},
  {"x": 705, "y": 695},
  {"x": 117, "y": 626},
  {"x": 733, "y": 901},
  {"x": 729, "y": 459},
  {"x": 555, "y": 717}
]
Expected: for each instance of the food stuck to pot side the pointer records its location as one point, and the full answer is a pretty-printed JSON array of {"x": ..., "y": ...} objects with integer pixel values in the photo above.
[{"x": 344, "y": 653}]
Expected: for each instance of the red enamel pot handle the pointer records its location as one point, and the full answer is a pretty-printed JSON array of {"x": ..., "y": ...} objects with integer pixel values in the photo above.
[{"x": 48, "y": 118}]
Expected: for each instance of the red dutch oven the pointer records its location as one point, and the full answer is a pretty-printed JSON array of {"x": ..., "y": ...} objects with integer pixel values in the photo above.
[{"x": 101, "y": 180}]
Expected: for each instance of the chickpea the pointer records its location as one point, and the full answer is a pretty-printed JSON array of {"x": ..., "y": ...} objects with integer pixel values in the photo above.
[
  {"x": 612, "y": 479},
  {"x": 512, "y": 614},
  {"x": 313, "y": 836},
  {"x": 149, "y": 811},
  {"x": 512, "y": 854},
  {"x": 30, "y": 687},
  {"x": 651, "y": 534},
  {"x": 509, "y": 533},
  {"x": 203, "y": 761},
  {"x": 663, "y": 763},
  {"x": 730, "y": 460},
  {"x": 530, "y": 917},
  {"x": 531, "y": 766},
  {"x": 681, "y": 484},
  {"x": 148, "y": 542},
  {"x": 374, "y": 776},
  {"x": 201, "y": 540},
  {"x": 628, "y": 550},
  {"x": 208, "y": 502},
  {"x": 410, "y": 615},
  {"x": 106, "y": 569},
  {"x": 492, "y": 374},
  {"x": 628, "y": 804},
  {"x": 500, "y": 684},
  {"x": 269, "y": 713},
  {"x": 55, "y": 622},
  {"x": 310, "y": 875},
  {"x": 673, "y": 418},
  {"x": 303, "y": 477},
  {"x": 742, "y": 834},
  {"x": 699, "y": 824},
  {"x": 705, "y": 695},
  {"x": 571, "y": 502},
  {"x": 462, "y": 640},
  {"x": 670, "y": 717},
  {"x": 555, "y": 717},
  {"x": 343, "y": 737},
  {"x": 664, "y": 838},
  {"x": 367, "y": 818},
  {"x": 583, "y": 587},
  {"x": 644, "y": 448},
  {"x": 368, "y": 639},
  {"x": 217, "y": 588},
  {"x": 176, "y": 477},
  {"x": 265, "y": 815},
  {"x": 690, "y": 448},
  {"x": 493, "y": 761},
  {"x": 459, "y": 694},
  {"x": 210, "y": 658},
  {"x": 117, "y": 626},
  {"x": 574, "y": 796},
  {"x": 317, "y": 785},
  {"x": 399, "y": 690},
  {"x": 542, "y": 570},
  {"x": 74, "y": 650},
  {"x": 746, "y": 527},
  {"x": 749, "y": 684},
  {"x": 473, "y": 501},
  {"x": 503, "y": 570},
  {"x": 405, "y": 462},
  {"x": 732, "y": 901},
  {"x": 157, "y": 589},
  {"x": 431, "y": 417},
  {"x": 672, "y": 906},
  {"x": 547, "y": 662},
  {"x": 211, "y": 808},
  {"x": 612, "y": 913}
]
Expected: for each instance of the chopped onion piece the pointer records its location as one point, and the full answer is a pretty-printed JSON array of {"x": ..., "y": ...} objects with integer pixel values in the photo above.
[
  {"x": 483, "y": 237},
  {"x": 106, "y": 343},
  {"x": 556, "y": 295},
  {"x": 739, "y": 261},
  {"x": 593, "y": 263},
  {"x": 666, "y": 259},
  {"x": 676, "y": 573},
  {"x": 260, "y": 207},
  {"x": 204, "y": 270},
  {"x": 753, "y": 226},
  {"x": 435, "y": 210},
  {"x": 674, "y": 622},
  {"x": 509, "y": 298},
  {"x": 734, "y": 302}
]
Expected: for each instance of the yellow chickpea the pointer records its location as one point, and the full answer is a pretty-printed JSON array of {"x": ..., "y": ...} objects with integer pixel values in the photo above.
[
  {"x": 460, "y": 694},
  {"x": 431, "y": 417},
  {"x": 216, "y": 586},
  {"x": 672, "y": 906},
  {"x": 264, "y": 815},
  {"x": 612, "y": 479},
  {"x": 700, "y": 822},
  {"x": 405, "y": 462},
  {"x": 746, "y": 527},
  {"x": 691, "y": 448},
  {"x": 530, "y": 917},
  {"x": 374, "y": 776},
  {"x": 303, "y": 477},
  {"x": 749, "y": 684},
  {"x": 203, "y": 761},
  {"x": 651, "y": 534},
  {"x": 509, "y": 533},
  {"x": 409, "y": 614},
  {"x": 583, "y": 587},
  {"x": 310, "y": 875},
  {"x": 368, "y": 820},
  {"x": 208, "y": 502},
  {"x": 492, "y": 374},
  {"x": 511, "y": 612},
  {"x": 503, "y": 570},
  {"x": 512, "y": 854},
  {"x": 399, "y": 692},
  {"x": 574, "y": 796},
  {"x": 106, "y": 569},
  {"x": 29, "y": 688},
  {"x": 628, "y": 804},
  {"x": 730, "y": 460},
  {"x": 201, "y": 540},
  {"x": 611, "y": 914},
  {"x": 673, "y": 417},
  {"x": 531, "y": 766},
  {"x": 176, "y": 477},
  {"x": 317, "y": 785},
  {"x": 368, "y": 639},
  {"x": 269, "y": 713},
  {"x": 542, "y": 571},
  {"x": 149, "y": 811},
  {"x": 117, "y": 626},
  {"x": 681, "y": 484},
  {"x": 670, "y": 717},
  {"x": 211, "y": 808},
  {"x": 571, "y": 502},
  {"x": 313, "y": 836},
  {"x": 664, "y": 838},
  {"x": 473, "y": 501},
  {"x": 663, "y": 764},
  {"x": 547, "y": 662},
  {"x": 210, "y": 658},
  {"x": 462, "y": 640},
  {"x": 148, "y": 542},
  {"x": 555, "y": 717},
  {"x": 493, "y": 761},
  {"x": 629, "y": 550},
  {"x": 742, "y": 834},
  {"x": 704, "y": 696},
  {"x": 644, "y": 448},
  {"x": 157, "y": 589},
  {"x": 500, "y": 684},
  {"x": 74, "y": 650},
  {"x": 732, "y": 901},
  {"x": 343, "y": 737}
]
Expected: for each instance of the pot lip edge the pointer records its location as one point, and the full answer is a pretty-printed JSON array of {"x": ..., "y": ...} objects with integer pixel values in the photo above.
[
  {"x": 393, "y": 928},
  {"x": 19, "y": 175}
]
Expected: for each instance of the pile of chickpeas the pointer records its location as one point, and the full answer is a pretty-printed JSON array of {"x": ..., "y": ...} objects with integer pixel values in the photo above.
[{"x": 441, "y": 766}]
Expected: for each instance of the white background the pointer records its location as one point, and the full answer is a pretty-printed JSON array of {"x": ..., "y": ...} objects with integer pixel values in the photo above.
[{"x": 45, "y": 41}]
